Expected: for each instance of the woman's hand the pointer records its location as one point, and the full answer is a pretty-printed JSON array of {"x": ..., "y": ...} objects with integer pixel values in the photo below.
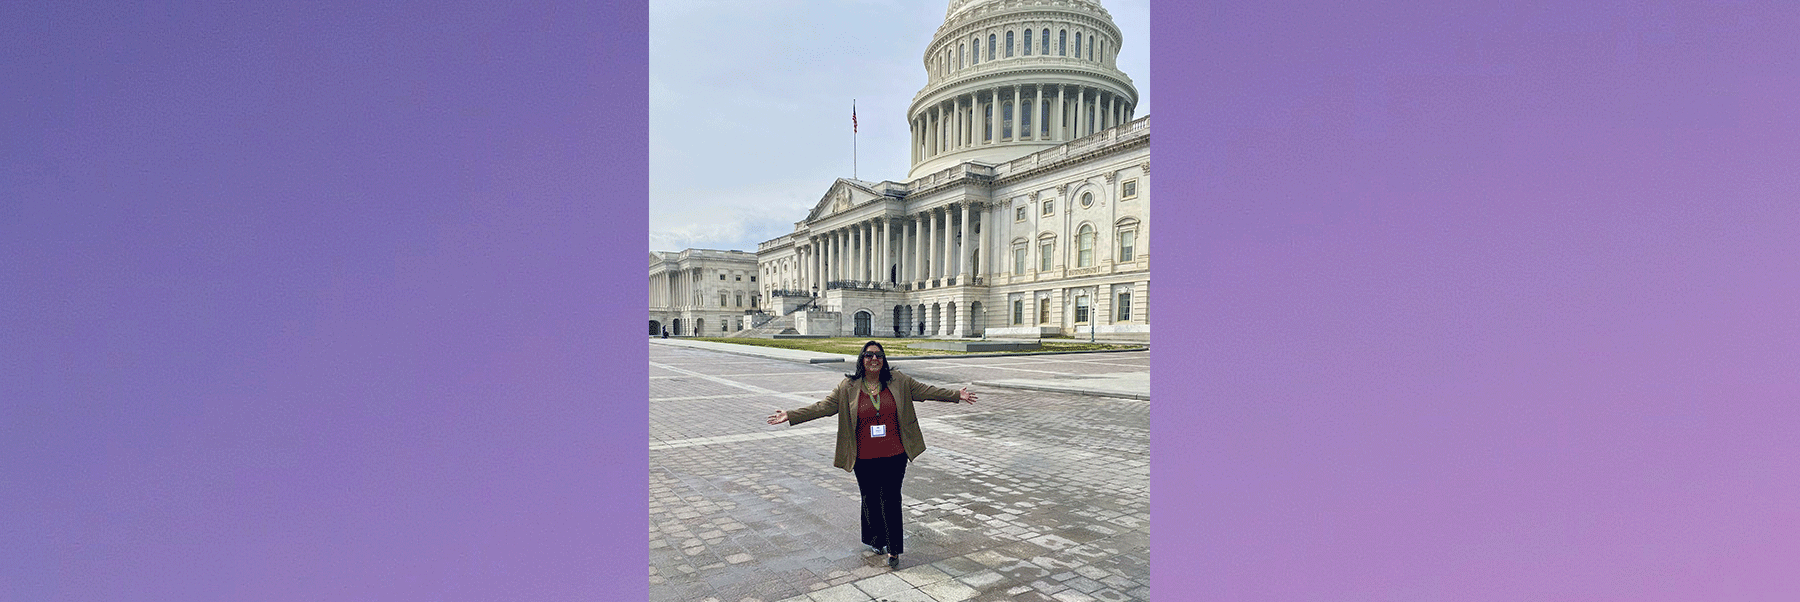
[
  {"x": 778, "y": 417},
  {"x": 965, "y": 395}
]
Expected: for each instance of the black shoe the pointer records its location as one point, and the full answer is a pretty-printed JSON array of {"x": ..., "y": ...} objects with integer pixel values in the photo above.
[
  {"x": 878, "y": 549},
  {"x": 893, "y": 562}
]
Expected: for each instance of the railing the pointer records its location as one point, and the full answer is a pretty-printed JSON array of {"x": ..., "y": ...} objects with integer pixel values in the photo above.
[
  {"x": 857, "y": 285},
  {"x": 781, "y": 292}
]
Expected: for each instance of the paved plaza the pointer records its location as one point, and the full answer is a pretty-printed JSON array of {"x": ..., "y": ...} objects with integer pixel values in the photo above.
[{"x": 1037, "y": 494}]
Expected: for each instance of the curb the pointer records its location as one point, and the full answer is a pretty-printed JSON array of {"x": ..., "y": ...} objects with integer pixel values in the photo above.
[{"x": 1056, "y": 389}]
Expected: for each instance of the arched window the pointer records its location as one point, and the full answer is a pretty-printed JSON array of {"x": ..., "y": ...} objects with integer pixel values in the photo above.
[
  {"x": 1024, "y": 120},
  {"x": 1027, "y": 42},
  {"x": 975, "y": 48},
  {"x": 987, "y": 122},
  {"x": 1046, "y": 42},
  {"x": 1077, "y": 44},
  {"x": 1062, "y": 42},
  {"x": 1006, "y": 110},
  {"x": 1085, "y": 247},
  {"x": 991, "y": 54},
  {"x": 1009, "y": 40},
  {"x": 1091, "y": 47},
  {"x": 959, "y": 56},
  {"x": 1044, "y": 122}
]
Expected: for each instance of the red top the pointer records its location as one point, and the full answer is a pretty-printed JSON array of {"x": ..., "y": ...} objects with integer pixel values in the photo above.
[{"x": 869, "y": 448}]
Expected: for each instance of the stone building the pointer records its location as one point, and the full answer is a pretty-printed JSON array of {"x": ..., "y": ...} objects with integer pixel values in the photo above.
[
  {"x": 1026, "y": 210},
  {"x": 702, "y": 292}
]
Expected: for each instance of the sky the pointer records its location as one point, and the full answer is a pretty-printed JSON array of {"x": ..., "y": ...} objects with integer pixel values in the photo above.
[{"x": 750, "y": 106}]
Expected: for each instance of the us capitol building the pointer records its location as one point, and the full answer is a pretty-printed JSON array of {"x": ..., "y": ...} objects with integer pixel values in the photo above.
[{"x": 1025, "y": 214}]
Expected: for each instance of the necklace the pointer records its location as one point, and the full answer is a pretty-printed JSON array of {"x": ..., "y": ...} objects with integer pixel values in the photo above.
[{"x": 874, "y": 390}]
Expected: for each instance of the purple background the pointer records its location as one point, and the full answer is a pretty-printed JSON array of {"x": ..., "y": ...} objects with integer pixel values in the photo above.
[
  {"x": 310, "y": 301},
  {"x": 1491, "y": 301}
]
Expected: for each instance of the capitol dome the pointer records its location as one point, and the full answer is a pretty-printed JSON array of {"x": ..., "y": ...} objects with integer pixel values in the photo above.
[{"x": 1006, "y": 78}]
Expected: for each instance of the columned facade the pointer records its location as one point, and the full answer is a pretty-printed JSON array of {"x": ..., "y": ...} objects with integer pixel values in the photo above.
[{"x": 1025, "y": 212}]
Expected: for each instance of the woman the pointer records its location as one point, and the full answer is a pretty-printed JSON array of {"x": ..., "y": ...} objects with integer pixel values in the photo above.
[{"x": 877, "y": 436}]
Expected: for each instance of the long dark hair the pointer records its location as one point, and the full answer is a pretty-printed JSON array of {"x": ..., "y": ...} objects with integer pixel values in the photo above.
[{"x": 887, "y": 370}]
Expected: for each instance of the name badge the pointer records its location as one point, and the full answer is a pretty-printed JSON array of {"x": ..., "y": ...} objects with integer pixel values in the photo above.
[{"x": 877, "y": 430}]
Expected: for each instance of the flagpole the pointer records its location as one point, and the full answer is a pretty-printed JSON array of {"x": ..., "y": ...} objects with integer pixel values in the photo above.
[{"x": 853, "y": 129}]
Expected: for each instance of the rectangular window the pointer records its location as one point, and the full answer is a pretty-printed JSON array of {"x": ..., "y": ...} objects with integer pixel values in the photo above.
[
  {"x": 1024, "y": 119},
  {"x": 1128, "y": 189},
  {"x": 1124, "y": 307},
  {"x": 724, "y": 299},
  {"x": 1081, "y": 309},
  {"x": 1019, "y": 260},
  {"x": 1006, "y": 120},
  {"x": 738, "y": 278},
  {"x": 1019, "y": 216},
  {"x": 1127, "y": 245},
  {"x": 1027, "y": 42},
  {"x": 753, "y": 279},
  {"x": 1049, "y": 207},
  {"x": 1046, "y": 252},
  {"x": 1009, "y": 38},
  {"x": 1044, "y": 310},
  {"x": 1045, "y": 121},
  {"x": 721, "y": 275},
  {"x": 1018, "y": 311}
]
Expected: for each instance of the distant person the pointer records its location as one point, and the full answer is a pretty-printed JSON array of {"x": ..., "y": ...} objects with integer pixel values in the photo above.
[
  {"x": 877, "y": 435},
  {"x": 665, "y": 332}
]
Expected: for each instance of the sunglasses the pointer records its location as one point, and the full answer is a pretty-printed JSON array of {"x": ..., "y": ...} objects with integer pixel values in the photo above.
[{"x": 869, "y": 354}]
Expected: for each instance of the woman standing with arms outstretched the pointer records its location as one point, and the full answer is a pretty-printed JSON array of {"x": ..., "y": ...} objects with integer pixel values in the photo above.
[{"x": 878, "y": 434}]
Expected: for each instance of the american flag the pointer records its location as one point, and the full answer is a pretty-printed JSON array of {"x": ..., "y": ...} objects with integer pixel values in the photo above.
[{"x": 853, "y": 118}]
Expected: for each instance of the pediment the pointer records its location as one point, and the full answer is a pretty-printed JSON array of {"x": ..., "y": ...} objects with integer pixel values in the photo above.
[{"x": 845, "y": 194}]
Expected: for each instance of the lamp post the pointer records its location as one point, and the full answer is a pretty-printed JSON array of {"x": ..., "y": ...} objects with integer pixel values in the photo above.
[{"x": 1093, "y": 319}]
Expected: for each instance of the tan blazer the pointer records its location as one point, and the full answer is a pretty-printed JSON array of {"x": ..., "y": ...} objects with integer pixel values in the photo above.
[{"x": 905, "y": 390}]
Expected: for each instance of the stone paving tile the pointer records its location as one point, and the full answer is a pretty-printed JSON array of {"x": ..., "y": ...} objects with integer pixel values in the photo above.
[
  {"x": 882, "y": 585},
  {"x": 922, "y": 574},
  {"x": 1014, "y": 489},
  {"x": 949, "y": 591},
  {"x": 841, "y": 593},
  {"x": 910, "y": 595}
]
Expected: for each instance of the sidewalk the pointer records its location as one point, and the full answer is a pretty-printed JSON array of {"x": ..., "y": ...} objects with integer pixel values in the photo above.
[{"x": 1125, "y": 386}]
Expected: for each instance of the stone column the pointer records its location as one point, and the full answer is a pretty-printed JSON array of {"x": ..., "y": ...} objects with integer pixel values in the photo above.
[
  {"x": 1060, "y": 129},
  {"x": 918, "y": 238},
  {"x": 932, "y": 265},
  {"x": 963, "y": 256},
  {"x": 1037, "y": 104}
]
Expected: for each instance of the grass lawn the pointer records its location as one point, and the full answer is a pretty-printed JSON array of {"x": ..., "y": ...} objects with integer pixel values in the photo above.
[{"x": 894, "y": 347}]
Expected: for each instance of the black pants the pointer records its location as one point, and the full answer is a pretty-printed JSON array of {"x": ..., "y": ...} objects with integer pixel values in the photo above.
[{"x": 879, "y": 480}]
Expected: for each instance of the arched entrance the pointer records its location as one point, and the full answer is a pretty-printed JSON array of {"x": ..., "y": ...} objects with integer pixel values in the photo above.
[
  {"x": 678, "y": 330},
  {"x": 699, "y": 327},
  {"x": 864, "y": 327},
  {"x": 899, "y": 319},
  {"x": 655, "y": 328},
  {"x": 919, "y": 317},
  {"x": 953, "y": 323}
]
